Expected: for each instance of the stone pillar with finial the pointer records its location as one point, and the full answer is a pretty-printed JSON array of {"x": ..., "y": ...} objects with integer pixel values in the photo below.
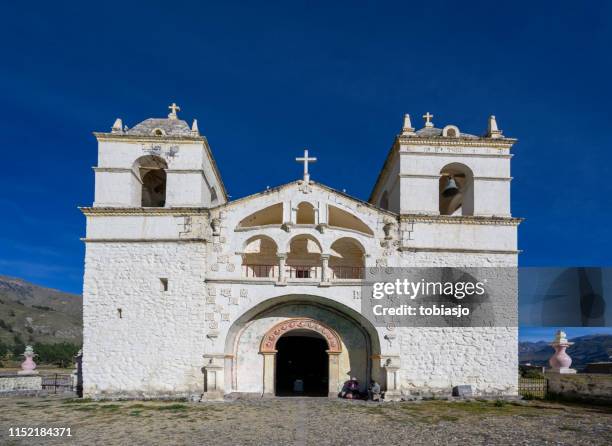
[
  {"x": 194, "y": 128},
  {"x": 28, "y": 366},
  {"x": 407, "y": 128},
  {"x": 117, "y": 126},
  {"x": 492, "y": 130},
  {"x": 561, "y": 361}
]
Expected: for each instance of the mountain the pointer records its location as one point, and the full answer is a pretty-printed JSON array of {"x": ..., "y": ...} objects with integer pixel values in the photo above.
[
  {"x": 33, "y": 313},
  {"x": 586, "y": 349}
]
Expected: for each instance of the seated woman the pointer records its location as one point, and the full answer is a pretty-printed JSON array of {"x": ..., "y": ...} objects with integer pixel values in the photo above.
[{"x": 350, "y": 389}]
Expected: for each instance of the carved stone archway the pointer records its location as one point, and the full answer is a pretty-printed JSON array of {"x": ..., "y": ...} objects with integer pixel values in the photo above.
[{"x": 268, "y": 350}]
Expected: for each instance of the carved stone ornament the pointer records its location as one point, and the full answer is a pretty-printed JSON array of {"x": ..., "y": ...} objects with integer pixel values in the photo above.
[
  {"x": 215, "y": 224},
  {"x": 268, "y": 343},
  {"x": 387, "y": 230}
]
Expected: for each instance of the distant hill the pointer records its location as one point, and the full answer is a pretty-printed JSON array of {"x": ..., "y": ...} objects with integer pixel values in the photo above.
[
  {"x": 33, "y": 313},
  {"x": 586, "y": 349}
]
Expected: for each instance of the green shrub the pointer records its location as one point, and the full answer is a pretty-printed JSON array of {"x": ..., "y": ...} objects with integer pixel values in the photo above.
[{"x": 61, "y": 354}]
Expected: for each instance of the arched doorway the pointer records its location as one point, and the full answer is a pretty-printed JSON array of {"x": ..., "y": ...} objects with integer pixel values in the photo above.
[
  {"x": 302, "y": 364},
  {"x": 293, "y": 371},
  {"x": 250, "y": 365}
]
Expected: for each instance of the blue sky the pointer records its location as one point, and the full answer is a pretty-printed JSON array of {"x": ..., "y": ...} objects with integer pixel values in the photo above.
[{"x": 266, "y": 79}]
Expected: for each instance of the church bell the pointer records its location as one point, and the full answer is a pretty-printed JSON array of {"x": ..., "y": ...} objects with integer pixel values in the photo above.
[{"x": 451, "y": 188}]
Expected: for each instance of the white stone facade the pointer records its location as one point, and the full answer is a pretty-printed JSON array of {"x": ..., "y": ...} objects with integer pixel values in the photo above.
[{"x": 179, "y": 297}]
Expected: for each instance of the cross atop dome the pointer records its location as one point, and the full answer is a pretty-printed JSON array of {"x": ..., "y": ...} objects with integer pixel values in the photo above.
[
  {"x": 427, "y": 116},
  {"x": 305, "y": 159},
  {"x": 173, "y": 109}
]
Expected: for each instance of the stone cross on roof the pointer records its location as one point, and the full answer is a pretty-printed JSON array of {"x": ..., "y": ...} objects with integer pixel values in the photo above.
[
  {"x": 306, "y": 160},
  {"x": 427, "y": 116},
  {"x": 174, "y": 108}
]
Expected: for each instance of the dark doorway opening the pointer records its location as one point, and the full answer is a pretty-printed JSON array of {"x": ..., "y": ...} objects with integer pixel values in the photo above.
[{"x": 302, "y": 365}]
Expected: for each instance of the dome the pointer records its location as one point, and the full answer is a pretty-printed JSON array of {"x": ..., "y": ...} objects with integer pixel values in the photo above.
[
  {"x": 161, "y": 127},
  {"x": 427, "y": 132}
]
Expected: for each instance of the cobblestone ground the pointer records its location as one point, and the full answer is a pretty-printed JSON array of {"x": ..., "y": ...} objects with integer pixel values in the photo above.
[{"x": 302, "y": 421}]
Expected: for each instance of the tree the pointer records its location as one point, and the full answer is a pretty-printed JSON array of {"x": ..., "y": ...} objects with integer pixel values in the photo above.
[{"x": 61, "y": 354}]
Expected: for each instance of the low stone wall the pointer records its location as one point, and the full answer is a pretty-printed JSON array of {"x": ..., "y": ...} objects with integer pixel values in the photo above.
[
  {"x": 581, "y": 386},
  {"x": 15, "y": 384}
]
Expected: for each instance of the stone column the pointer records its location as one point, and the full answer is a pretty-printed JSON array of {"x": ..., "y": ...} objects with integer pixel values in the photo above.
[
  {"x": 269, "y": 368},
  {"x": 282, "y": 258},
  {"x": 391, "y": 365},
  {"x": 334, "y": 374},
  {"x": 325, "y": 279},
  {"x": 213, "y": 377}
]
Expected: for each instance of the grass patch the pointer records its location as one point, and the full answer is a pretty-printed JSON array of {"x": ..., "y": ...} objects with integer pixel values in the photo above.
[
  {"x": 135, "y": 413},
  {"x": 78, "y": 401},
  {"x": 449, "y": 418},
  {"x": 137, "y": 406},
  {"x": 173, "y": 407},
  {"x": 110, "y": 407},
  {"x": 85, "y": 408}
]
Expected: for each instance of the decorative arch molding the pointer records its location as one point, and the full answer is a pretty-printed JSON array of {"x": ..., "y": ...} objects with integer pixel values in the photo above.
[
  {"x": 268, "y": 343},
  {"x": 306, "y": 236}
]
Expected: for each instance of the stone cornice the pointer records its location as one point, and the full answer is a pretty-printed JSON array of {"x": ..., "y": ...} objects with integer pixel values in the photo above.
[
  {"x": 437, "y": 177},
  {"x": 101, "y": 136},
  {"x": 455, "y": 154},
  {"x": 458, "y": 250},
  {"x": 118, "y": 212},
  {"x": 144, "y": 240},
  {"x": 498, "y": 143},
  {"x": 460, "y": 219}
]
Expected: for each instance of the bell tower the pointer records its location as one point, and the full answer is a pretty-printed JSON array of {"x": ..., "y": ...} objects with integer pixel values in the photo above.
[
  {"x": 443, "y": 171},
  {"x": 160, "y": 162}
]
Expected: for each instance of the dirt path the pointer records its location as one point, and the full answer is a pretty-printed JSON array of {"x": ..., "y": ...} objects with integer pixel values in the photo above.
[{"x": 296, "y": 421}]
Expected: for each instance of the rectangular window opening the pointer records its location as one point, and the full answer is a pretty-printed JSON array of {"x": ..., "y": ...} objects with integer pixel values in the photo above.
[{"x": 163, "y": 284}]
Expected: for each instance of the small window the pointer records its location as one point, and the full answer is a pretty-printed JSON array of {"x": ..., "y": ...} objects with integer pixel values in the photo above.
[
  {"x": 158, "y": 132},
  {"x": 305, "y": 214},
  {"x": 163, "y": 284},
  {"x": 451, "y": 131}
]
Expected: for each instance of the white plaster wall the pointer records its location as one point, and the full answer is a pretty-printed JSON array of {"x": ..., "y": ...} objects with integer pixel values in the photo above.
[
  {"x": 459, "y": 236},
  {"x": 391, "y": 184},
  {"x": 117, "y": 189},
  {"x": 494, "y": 197},
  {"x": 149, "y": 227},
  {"x": 156, "y": 347},
  {"x": 436, "y": 359}
]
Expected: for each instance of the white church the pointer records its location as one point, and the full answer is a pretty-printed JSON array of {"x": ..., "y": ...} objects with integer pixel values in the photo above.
[{"x": 187, "y": 294}]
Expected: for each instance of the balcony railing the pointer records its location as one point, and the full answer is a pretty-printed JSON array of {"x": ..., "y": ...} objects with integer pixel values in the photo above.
[
  {"x": 347, "y": 272},
  {"x": 302, "y": 272},
  {"x": 269, "y": 271},
  {"x": 298, "y": 272}
]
